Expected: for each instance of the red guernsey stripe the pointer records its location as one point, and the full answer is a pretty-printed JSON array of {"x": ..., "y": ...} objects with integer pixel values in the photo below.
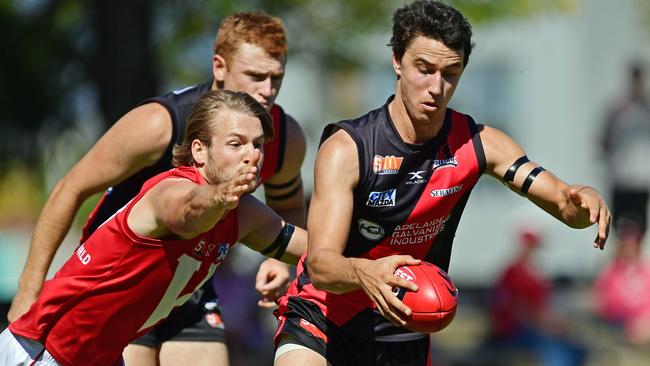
[
  {"x": 272, "y": 148},
  {"x": 311, "y": 328}
]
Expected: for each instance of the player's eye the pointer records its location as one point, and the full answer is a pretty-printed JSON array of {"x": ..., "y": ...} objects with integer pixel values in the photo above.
[
  {"x": 449, "y": 73},
  {"x": 258, "y": 77}
]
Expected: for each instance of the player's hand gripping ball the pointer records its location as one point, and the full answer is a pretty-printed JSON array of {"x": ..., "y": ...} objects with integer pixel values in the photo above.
[{"x": 433, "y": 306}]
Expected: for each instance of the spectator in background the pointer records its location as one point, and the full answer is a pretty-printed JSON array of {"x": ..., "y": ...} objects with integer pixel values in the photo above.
[
  {"x": 626, "y": 148},
  {"x": 521, "y": 310},
  {"x": 622, "y": 289}
]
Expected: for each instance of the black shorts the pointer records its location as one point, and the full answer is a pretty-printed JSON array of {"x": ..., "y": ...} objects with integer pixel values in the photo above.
[
  {"x": 340, "y": 348},
  {"x": 198, "y": 320}
]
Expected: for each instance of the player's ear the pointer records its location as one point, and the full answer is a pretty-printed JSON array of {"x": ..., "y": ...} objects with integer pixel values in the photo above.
[
  {"x": 199, "y": 152},
  {"x": 397, "y": 65},
  {"x": 219, "y": 67}
]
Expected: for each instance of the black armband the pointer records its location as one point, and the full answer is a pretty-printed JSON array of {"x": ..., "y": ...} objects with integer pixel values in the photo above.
[
  {"x": 284, "y": 185},
  {"x": 284, "y": 196},
  {"x": 281, "y": 242},
  {"x": 510, "y": 173},
  {"x": 530, "y": 178}
]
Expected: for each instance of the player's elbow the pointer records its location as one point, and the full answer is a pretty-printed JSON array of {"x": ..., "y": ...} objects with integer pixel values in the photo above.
[
  {"x": 70, "y": 188},
  {"x": 319, "y": 268},
  {"x": 316, "y": 271}
]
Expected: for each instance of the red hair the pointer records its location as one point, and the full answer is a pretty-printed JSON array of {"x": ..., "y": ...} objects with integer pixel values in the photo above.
[{"x": 256, "y": 28}]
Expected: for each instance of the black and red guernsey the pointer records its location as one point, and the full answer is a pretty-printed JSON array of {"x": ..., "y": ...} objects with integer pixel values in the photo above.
[
  {"x": 409, "y": 200},
  {"x": 179, "y": 104}
]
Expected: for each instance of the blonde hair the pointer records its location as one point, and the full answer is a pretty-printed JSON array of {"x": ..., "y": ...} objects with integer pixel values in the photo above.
[{"x": 202, "y": 122}]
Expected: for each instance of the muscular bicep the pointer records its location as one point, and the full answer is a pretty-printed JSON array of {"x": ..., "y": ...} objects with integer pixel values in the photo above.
[
  {"x": 161, "y": 211},
  {"x": 505, "y": 161},
  {"x": 336, "y": 174},
  {"x": 135, "y": 141}
]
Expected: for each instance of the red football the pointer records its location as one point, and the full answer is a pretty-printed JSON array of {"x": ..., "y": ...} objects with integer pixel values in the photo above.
[{"x": 433, "y": 306}]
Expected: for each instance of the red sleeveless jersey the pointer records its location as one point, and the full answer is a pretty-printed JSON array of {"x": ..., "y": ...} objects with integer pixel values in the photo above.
[
  {"x": 118, "y": 284},
  {"x": 274, "y": 149}
]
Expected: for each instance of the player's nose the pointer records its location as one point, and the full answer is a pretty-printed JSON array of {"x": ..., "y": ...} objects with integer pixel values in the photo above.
[
  {"x": 252, "y": 156},
  {"x": 435, "y": 84},
  {"x": 266, "y": 89}
]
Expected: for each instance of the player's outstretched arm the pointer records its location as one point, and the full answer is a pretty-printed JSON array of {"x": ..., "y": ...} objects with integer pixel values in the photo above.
[
  {"x": 284, "y": 194},
  {"x": 330, "y": 214},
  {"x": 262, "y": 230},
  {"x": 137, "y": 140},
  {"x": 578, "y": 206},
  {"x": 185, "y": 209}
]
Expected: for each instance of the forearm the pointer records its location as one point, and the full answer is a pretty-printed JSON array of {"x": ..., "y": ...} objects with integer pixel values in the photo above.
[
  {"x": 199, "y": 211},
  {"x": 288, "y": 258},
  {"x": 295, "y": 250},
  {"x": 53, "y": 224},
  {"x": 565, "y": 212},
  {"x": 332, "y": 272},
  {"x": 554, "y": 196}
]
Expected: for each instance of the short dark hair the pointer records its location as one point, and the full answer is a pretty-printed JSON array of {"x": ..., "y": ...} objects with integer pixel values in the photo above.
[
  {"x": 202, "y": 121},
  {"x": 431, "y": 19}
]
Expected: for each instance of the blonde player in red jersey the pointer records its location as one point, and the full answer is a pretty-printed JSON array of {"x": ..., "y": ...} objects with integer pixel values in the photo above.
[
  {"x": 165, "y": 243},
  {"x": 250, "y": 53}
]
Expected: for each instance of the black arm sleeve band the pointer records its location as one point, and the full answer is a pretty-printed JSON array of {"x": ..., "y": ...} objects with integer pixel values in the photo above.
[
  {"x": 281, "y": 242},
  {"x": 288, "y": 184},
  {"x": 284, "y": 196},
  {"x": 510, "y": 174},
  {"x": 530, "y": 178}
]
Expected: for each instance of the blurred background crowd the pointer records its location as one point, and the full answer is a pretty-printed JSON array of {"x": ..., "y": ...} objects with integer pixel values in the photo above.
[{"x": 564, "y": 77}]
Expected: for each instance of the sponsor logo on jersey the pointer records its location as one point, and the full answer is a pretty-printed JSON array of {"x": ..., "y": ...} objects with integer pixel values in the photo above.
[
  {"x": 383, "y": 165},
  {"x": 83, "y": 255},
  {"x": 446, "y": 163},
  {"x": 223, "y": 251},
  {"x": 444, "y": 158},
  {"x": 381, "y": 199},
  {"x": 416, "y": 177},
  {"x": 415, "y": 233},
  {"x": 198, "y": 249},
  {"x": 181, "y": 91},
  {"x": 446, "y": 191},
  {"x": 205, "y": 249},
  {"x": 370, "y": 230}
]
